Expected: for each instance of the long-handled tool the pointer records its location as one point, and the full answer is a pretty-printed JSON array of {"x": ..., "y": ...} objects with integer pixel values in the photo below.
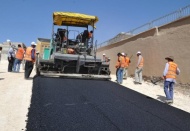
[
  {"x": 130, "y": 58},
  {"x": 155, "y": 81}
]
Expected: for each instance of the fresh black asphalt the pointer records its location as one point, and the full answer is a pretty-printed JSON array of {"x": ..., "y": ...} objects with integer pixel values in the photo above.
[{"x": 90, "y": 105}]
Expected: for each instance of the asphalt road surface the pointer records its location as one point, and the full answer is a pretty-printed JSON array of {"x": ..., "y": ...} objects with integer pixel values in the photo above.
[{"x": 90, "y": 105}]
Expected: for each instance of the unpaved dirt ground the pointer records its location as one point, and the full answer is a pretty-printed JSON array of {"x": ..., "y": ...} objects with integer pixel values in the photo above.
[
  {"x": 15, "y": 97},
  {"x": 181, "y": 95}
]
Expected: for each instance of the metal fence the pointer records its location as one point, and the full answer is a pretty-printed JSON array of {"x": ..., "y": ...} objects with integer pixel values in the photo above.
[{"x": 181, "y": 13}]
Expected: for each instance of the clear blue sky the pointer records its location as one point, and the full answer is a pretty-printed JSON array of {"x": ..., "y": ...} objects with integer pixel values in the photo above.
[{"x": 26, "y": 20}]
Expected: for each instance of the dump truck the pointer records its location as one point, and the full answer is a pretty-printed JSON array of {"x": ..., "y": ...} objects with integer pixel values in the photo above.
[{"x": 72, "y": 50}]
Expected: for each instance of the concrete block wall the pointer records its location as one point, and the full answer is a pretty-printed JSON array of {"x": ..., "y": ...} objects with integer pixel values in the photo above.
[{"x": 172, "y": 39}]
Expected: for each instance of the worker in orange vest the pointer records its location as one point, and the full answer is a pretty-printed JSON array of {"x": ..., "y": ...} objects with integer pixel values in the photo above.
[
  {"x": 30, "y": 57},
  {"x": 139, "y": 69},
  {"x": 169, "y": 75},
  {"x": 121, "y": 66},
  {"x": 117, "y": 65},
  {"x": 127, "y": 61},
  {"x": 18, "y": 58}
]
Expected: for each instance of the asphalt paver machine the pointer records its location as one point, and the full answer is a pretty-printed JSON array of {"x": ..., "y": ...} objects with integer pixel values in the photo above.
[{"x": 72, "y": 52}]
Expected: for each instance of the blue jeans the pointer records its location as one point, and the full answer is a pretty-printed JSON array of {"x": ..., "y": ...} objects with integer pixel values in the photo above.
[
  {"x": 17, "y": 63},
  {"x": 168, "y": 89},
  {"x": 120, "y": 75}
]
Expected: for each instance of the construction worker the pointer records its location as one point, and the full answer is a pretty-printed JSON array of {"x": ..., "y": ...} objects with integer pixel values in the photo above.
[
  {"x": 117, "y": 65},
  {"x": 79, "y": 37},
  {"x": 30, "y": 59},
  {"x": 0, "y": 52},
  {"x": 107, "y": 59},
  {"x": 11, "y": 56},
  {"x": 139, "y": 68},
  {"x": 103, "y": 57},
  {"x": 90, "y": 34},
  {"x": 18, "y": 58},
  {"x": 24, "y": 61},
  {"x": 169, "y": 75},
  {"x": 121, "y": 65},
  {"x": 127, "y": 61}
]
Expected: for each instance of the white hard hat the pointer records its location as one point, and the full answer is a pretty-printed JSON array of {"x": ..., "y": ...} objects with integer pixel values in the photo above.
[
  {"x": 138, "y": 52},
  {"x": 8, "y": 40},
  {"x": 122, "y": 53},
  {"x": 104, "y": 54},
  {"x": 33, "y": 43}
]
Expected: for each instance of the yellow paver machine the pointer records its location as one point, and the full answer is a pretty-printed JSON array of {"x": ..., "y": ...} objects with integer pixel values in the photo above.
[{"x": 72, "y": 52}]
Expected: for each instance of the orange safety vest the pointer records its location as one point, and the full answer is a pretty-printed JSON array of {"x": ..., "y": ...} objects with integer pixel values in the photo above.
[
  {"x": 141, "y": 63},
  {"x": 20, "y": 53},
  {"x": 126, "y": 61},
  {"x": 171, "y": 70},
  {"x": 28, "y": 54},
  {"x": 122, "y": 61},
  {"x": 117, "y": 63}
]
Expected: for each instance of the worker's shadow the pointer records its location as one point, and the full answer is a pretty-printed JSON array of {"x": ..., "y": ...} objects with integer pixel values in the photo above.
[
  {"x": 161, "y": 98},
  {"x": 2, "y": 78}
]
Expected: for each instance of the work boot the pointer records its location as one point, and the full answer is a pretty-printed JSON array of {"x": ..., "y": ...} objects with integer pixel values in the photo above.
[
  {"x": 169, "y": 101},
  {"x": 136, "y": 82}
]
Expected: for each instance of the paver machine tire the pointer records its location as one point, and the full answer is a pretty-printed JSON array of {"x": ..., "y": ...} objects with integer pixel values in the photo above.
[{"x": 37, "y": 65}]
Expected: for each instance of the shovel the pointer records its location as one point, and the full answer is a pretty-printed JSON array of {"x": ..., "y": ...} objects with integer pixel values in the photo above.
[{"x": 155, "y": 81}]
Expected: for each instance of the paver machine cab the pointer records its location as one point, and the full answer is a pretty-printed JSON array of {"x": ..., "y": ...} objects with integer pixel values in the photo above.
[{"x": 72, "y": 52}]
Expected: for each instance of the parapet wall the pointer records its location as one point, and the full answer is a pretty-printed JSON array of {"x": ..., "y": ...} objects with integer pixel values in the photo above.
[{"x": 155, "y": 44}]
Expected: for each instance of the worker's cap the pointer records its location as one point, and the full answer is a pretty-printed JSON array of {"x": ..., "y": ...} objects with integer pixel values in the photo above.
[
  {"x": 33, "y": 43},
  {"x": 170, "y": 58},
  {"x": 104, "y": 54},
  {"x": 8, "y": 41},
  {"x": 123, "y": 54},
  {"x": 138, "y": 52}
]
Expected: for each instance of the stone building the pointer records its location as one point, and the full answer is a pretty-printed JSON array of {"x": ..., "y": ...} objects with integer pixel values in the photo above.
[{"x": 5, "y": 47}]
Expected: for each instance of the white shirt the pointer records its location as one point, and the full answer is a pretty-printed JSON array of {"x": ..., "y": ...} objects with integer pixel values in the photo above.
[
  {"x": 139, "y": 60},
  {"x": 11, "y": 52}
]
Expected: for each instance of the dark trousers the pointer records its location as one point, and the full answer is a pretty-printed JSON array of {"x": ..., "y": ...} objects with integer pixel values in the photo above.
[
  {"x": 28, "y": 68},
  {"x": 10, "y": 65}
]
